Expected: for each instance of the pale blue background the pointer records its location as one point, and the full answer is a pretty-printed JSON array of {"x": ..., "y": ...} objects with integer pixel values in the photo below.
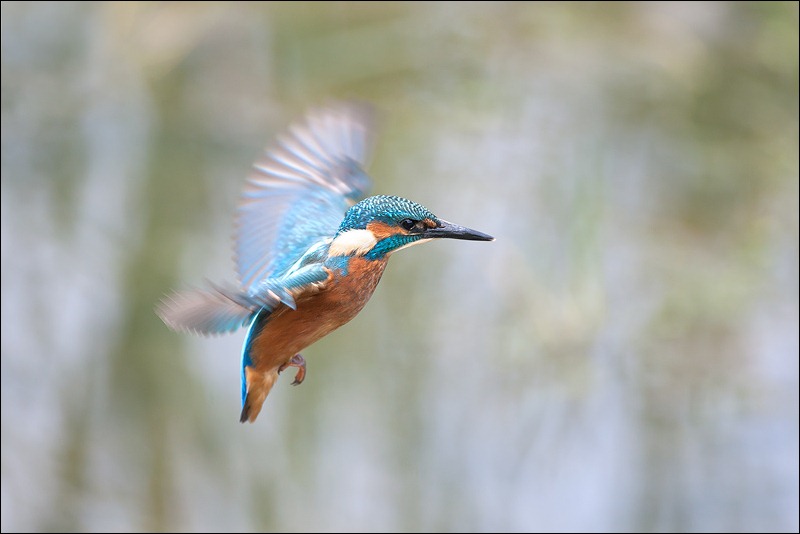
[{"x": 623, "y": 357}]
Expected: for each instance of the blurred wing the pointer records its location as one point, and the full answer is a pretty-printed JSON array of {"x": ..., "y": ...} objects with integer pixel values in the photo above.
[
  {"x": 206, "y": 312},
  {"x": 221, "y": 310},
  {"x": 298, "y": 192}
]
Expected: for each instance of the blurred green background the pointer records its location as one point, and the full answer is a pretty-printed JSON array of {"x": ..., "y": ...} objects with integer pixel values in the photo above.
[{"x": 623, "y": 357}]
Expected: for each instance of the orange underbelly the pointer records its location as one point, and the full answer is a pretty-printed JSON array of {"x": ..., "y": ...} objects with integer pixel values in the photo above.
[{"x": 288, "y": 331}]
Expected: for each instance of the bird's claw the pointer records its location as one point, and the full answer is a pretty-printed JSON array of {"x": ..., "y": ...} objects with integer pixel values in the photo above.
[{"x": 299, "y": 362}]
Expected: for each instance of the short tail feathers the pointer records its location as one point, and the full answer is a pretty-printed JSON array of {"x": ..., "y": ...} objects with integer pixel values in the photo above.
[{"x": 258, "y": 387}]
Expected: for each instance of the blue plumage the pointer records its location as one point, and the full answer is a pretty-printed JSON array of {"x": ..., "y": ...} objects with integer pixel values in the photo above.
[
  {"x": 309, "y": 249},
  {"x": 389, "y": 244},
  {"x": 386, "y": 208},
  {"x": 297, "y": 192},
  {"x": 291, "y": 207}
]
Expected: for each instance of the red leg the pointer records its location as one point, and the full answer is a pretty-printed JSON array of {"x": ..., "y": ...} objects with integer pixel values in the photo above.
[{"x": 299, "y": 362}]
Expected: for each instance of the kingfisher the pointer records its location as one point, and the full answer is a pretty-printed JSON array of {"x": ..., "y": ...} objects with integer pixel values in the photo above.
[{"x": 309, "y": 248}]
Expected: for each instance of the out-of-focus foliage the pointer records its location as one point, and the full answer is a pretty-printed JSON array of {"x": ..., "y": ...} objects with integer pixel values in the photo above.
[{"x": 623, "y": 357}]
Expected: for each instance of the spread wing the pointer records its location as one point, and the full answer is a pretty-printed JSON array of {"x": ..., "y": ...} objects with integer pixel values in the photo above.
[
  {"x": 298, "y": 192},
  {"x": 220, "y": 310},
  {"x": 216, "y": 310},
  {"x": 291, "y": 207}
]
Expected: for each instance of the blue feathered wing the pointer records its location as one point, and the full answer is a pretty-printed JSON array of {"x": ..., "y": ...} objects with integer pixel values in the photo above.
[{"x": 291, "y": 207}]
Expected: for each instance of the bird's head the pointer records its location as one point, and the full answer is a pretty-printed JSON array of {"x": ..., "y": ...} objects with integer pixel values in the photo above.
[{"x": 380, "y": 225}]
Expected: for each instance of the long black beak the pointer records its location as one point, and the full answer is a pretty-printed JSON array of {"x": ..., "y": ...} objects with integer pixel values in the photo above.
[{"x": 454, "y": 231}]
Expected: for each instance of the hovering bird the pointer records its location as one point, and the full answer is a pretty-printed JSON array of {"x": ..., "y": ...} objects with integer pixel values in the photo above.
[{"x": 309, "y": 248}]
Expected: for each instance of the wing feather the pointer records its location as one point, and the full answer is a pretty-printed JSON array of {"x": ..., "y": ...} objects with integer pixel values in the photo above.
[
  {"x": 206, "y": 311},
  {"x": 299, "y": 190},
  {"x": 221, "y": 310},
  {"x": 291, "y": 206}
]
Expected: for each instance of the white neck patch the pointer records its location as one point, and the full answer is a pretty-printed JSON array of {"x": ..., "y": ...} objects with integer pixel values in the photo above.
[{"x": 352, "y": 242}]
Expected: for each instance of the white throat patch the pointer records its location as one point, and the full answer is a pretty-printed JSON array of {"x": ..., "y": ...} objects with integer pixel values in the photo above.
[{"x": 352, "y": 242}]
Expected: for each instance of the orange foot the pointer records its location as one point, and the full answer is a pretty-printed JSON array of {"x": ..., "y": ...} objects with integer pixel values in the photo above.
[{"x": 299, "y": 362}]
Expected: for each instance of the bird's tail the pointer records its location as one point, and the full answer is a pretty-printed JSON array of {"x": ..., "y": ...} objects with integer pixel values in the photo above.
[{"x": 258, "y": 387}]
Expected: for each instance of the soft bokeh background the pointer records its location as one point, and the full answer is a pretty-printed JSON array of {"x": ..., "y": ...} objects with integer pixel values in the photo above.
[{"x": 623, "y": 357}]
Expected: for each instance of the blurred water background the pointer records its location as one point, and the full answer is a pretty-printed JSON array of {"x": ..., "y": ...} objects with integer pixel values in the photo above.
[{"x": 623, "y": 357}]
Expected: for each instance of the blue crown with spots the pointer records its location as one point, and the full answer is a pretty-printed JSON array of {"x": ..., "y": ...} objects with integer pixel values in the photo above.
[{"x": 386, "y": 208}]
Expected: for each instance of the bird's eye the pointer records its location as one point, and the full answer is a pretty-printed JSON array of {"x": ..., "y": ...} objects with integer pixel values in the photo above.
[{"x": 408, "y": 224}]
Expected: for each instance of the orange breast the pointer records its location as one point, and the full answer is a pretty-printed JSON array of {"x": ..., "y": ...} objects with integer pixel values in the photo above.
[{"x": 289, "y": 331}]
